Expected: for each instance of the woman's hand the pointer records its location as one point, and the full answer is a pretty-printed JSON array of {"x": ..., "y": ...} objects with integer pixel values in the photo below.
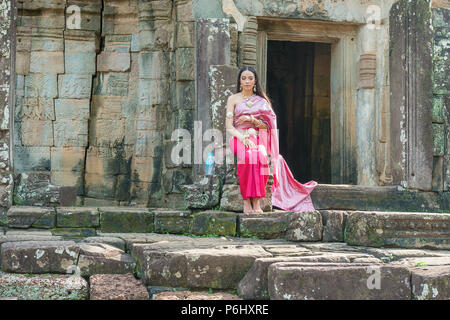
[
  {"x": 249, "y": 143},
  {"x": 243, "y": 119}
]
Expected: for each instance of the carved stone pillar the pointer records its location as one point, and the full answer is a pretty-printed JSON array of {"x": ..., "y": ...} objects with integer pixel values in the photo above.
[
  {"x": 411, "y": 93},
  {"x": 248, "y": 41}
]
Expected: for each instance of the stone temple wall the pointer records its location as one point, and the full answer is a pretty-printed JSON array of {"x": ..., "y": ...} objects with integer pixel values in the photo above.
[{"x": 100, "y": 86}]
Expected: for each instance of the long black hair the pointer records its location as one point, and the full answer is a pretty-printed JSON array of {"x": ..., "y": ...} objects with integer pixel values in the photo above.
[{"x": 259, "y": 91}]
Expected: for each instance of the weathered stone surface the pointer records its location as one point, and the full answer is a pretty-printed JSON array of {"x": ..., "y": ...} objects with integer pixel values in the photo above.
[
  {"x": 74, "y": 217},
  {"x": 113, "y": 61},
  {"x": 185, "y": 63},
  {"x": 28, "y": 159},
  {"x": 214, "y": 222},
  {"x": 43, "y": 287},
  {"x": 254, "y": 285},
  {"x": 75, "y": 86},
  {"x": 98, "y": 258},
  {"x": 153, "y": 65},
  {"x": 35, "y": 189},
  {"x": 291, "y": 282},
  {"x": 173, "y": 221},
  {"x": 74, "y": 232},
  {"x": 116, "y": 287},
  {"x": 70, "y": 133},
  {"x": 46, "y": 62},
  {"x": 333, "y": 225},
  {"x": 112, "y": 241},
  {"x": 37, "y": 133},
  {"x": 72, "y": 109},
  {"x": 27, "y": 217},
  {"x": 189, "y": 295},
  {"x": 41, "y": 85},
  {"x": 126, "y": 220},
  {"x": 79, "y": 62},
  {"x": 400, "y": 229},
  {"x": 221, "y": 267},
  {"x": 203, "y": 193},
  {"x": 38, "y": 256},
  {"x": 269, "y": 225},
  {"x": 431, "y": 283}
]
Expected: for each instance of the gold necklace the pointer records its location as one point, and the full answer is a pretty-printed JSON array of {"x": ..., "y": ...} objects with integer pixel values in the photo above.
[{"x": 248, "y": 102}]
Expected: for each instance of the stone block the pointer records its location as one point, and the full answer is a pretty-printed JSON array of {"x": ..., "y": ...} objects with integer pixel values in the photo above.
[
  {"x": 47, "y": 40},
  {"x": 290, "y": 282},
  {"x": 27, "y": 217},
  {"x": 76, "y": 86},
  {"x": 68, "y": 179},
  {"x": 80, "y": 62},
  {"x": 90, "y": 15},
  {"x": 70, "y": 133},
  {"x": 438, "y": 139},
  {"x": 38, "y": 256},
  {"x": 34, "y": 189},
  {"x": 152, "y": 92},
  {"x": 215, "y": 223},
  {"x": 41, "y": 85},
  {"x": 98, "y": 258},
  {"x": 126, "y": 220},
  {"x": 220, "y": 267},
  {"x": 304, "y": 226},
  {"x": 185, "y": 62},
  {"x": 22, "y": 63},
  {"x": 153, "y": 65},
  {"x": 112, "y": 241},
  {"x": 185, "y": 35},
  {"x": 28, "y": 159},
  {"x": 438, "y": 114},
  {"x": 185, "y": 94},
  {"x": 67, "y": 158},
  {"x": 263, "y": 225},
  {"x": 112, "y": 84},
  {"x": 204, "y": 193},
  {"x": 113, "y": 61},
  {"x": 189, "y": 295},
  {"x": 116, "y": 287},
  {"x": 46, "y": 62},
  {"x": 173, "y": 221},
  {"x": 431, "y": 283},
  {"x": 37, "y": 133},
  {"x": 399, "y": 229},
  {"x": 107, "y": 107},
  {"x": 184, "y": 11},
  {"x": 254, "y": 285},
  {"x": 333, "y": 225},
  {"x": 43, "y": 287},
  {"x": 73, "y": 217},
  {"x": 107, "y": 133},
  {"x": 36, "y": 109},
  {"x": 118, "y": 43},
  {"x": 147, "y": 142},
  {"x": 74, "y": 233}
]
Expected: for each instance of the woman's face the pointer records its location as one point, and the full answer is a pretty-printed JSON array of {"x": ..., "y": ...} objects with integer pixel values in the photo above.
[{"x": 247, "y": 80}]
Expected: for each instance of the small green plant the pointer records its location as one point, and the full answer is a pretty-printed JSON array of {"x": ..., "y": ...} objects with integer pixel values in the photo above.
[
  {"x": 217, "y": 207},
  {"x": 248, "y": 235},
  {"x": 421, "y": 264},
  {"x": 210, "y": 290}
]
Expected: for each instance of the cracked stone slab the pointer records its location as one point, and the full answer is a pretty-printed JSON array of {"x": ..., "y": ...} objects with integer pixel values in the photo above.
[
  {"x": 116, "y": 287},
  {"x": 113, "y": 241},
  {"x": 254, "y": 285},
  {"x": 28, "y": 216},
  {"x": 100, "y": 258},
  {"x": 219, "y": 267},
  {"x": 38, "y": 256},
  {"x": 77, "y": 217},
  {"x": 43, "y": 287},
  {"x": 294, "y": 281}
]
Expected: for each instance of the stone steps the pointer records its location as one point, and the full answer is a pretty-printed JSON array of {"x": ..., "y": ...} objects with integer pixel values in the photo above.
[
  {"x": 249, "y": 267},
  {"x": 366, "y": 228}
]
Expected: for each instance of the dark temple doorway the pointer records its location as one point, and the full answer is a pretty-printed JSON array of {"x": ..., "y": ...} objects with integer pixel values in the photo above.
[{"x": 298, "y": 84}]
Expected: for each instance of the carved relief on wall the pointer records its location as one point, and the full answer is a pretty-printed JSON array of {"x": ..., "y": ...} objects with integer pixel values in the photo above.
[{"x": 312, "y": 8}]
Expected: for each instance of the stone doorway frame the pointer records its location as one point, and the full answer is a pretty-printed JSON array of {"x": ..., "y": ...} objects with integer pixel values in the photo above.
[{"x": 343, "y": 77}]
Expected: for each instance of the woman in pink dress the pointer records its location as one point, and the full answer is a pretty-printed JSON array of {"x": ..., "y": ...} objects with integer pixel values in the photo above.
[{"x": 252, "y": 124}]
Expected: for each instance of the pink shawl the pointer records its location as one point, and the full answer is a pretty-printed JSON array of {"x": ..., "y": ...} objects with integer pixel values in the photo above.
[{"x": 287, "y": 193}]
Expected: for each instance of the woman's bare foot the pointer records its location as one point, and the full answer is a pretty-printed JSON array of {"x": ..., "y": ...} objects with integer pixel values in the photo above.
[
  {"x": 256, "y": 206},
  {"x": 248, "y": 206}
]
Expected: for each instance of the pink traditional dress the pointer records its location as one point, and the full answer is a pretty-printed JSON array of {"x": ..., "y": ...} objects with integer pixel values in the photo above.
[{"x": 253, "y": 163}]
